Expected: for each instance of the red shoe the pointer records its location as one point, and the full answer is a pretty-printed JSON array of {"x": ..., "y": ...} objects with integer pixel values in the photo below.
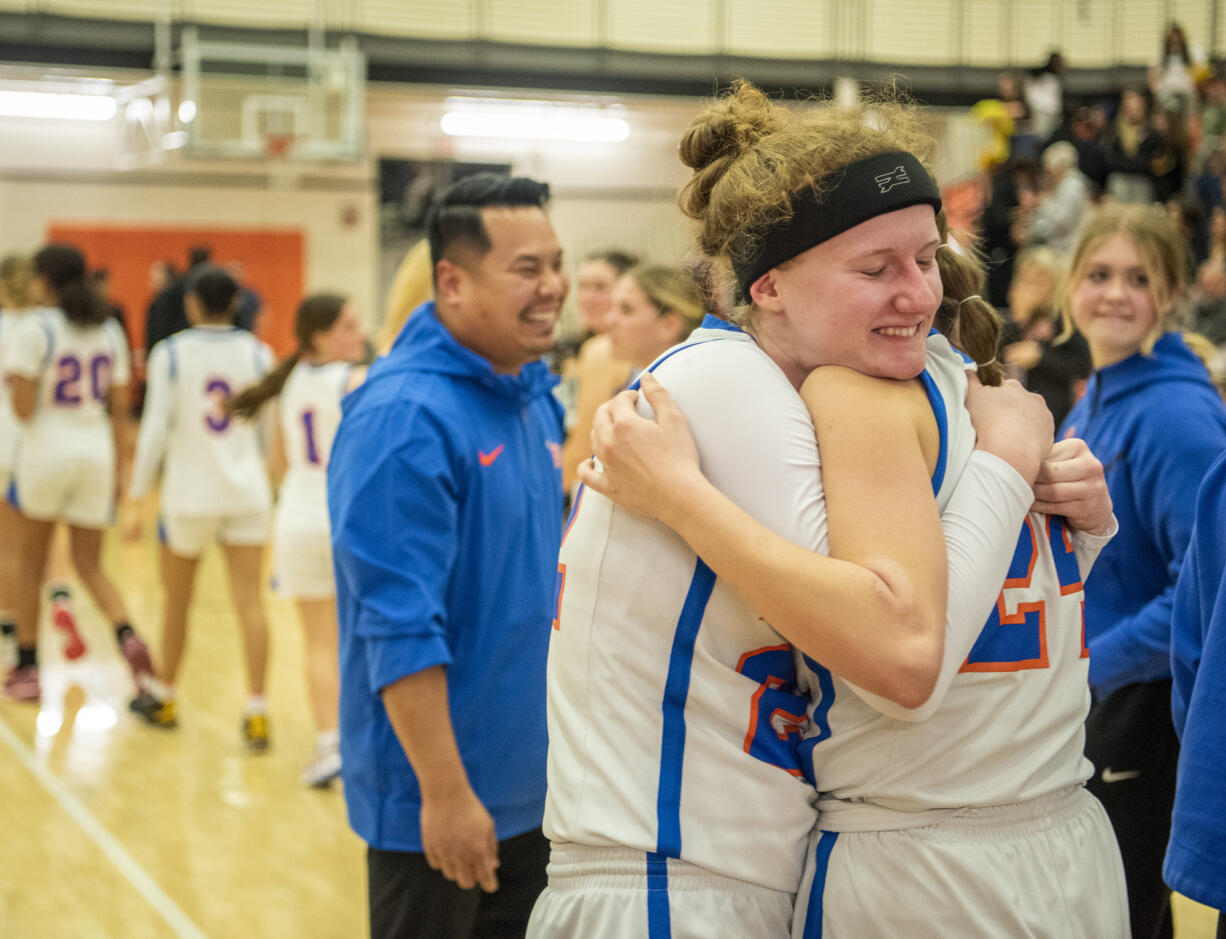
[
  {"x": 74, "y": 645},
  {"x": 136, "y": 652},
  {"x": 22, "y": 684}
]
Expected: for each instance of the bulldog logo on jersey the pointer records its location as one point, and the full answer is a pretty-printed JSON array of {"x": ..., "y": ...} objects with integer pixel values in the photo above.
[{"x": 895, "y": 177}]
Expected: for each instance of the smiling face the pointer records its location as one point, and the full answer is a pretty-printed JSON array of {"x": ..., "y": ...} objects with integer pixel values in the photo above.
[
  {"x": 864, "y": 299},
  {"x": 504, "y": 304},
  {"x": 1112, "y": 301}
]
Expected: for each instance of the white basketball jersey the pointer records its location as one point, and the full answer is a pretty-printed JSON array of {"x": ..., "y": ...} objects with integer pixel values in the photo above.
[
  {"x": 75, "y": 367},
  {"x": 309, "y": 410},
  {"x": 1010, "y": 727},
  {"x": 10, "y": 428},
  {"x": 674, "y": 710},
  {"x": 214, "y": 462}
]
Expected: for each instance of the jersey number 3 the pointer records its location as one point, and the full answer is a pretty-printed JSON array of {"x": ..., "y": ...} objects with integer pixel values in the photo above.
[{"x": 1015, "y": 636}]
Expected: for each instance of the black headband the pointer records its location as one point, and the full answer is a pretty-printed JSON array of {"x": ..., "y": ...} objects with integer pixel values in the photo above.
[{"x": 848, "y": 196}]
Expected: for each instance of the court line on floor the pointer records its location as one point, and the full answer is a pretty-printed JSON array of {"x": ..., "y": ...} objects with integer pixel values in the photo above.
[{"x": 107, "y": 843}]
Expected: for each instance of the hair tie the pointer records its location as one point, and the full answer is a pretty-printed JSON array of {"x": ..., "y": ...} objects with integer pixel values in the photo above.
[
  {"x": 973, "y": 296},
  {"x": 991, "y": 361}
]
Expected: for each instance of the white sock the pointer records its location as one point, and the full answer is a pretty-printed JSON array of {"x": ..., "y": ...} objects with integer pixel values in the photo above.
[
  {"x": 159, "y": 690},
  {"x": 328, "y": 739},
  {"x": 256, "y": 704}
]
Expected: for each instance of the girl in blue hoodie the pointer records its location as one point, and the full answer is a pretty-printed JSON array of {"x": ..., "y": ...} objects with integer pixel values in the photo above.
[{"x": 1155, "y": 420}]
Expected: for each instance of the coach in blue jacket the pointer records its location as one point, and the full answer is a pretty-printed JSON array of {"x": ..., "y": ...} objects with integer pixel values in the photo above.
[{"x": 444, "y": 490}]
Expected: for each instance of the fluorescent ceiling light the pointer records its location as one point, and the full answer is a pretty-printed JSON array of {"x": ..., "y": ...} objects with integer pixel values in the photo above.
[
  {"x": 532, "y": 120},
  {"x": 57, "y": 106}
]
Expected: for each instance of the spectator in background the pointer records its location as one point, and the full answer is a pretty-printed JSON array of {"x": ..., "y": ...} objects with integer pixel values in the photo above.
[
  {"x": 249, "y": 304},
  {"x": 1022, "y": 142},
  {"x": 1169, "y": 160},
  {"x": 597, "y": 373},
  {"x": 100, "y": 281},
  {"x": 1065, "y": 199},
  {"x": 1045, "y": 97},
  {"x": 1211, "y": 303},
  {"x": 167, "y": 313},
  {"x": 1132, "y": 144},
  {"x": 1212, "y": 117},
  {"x": 1013, "y": 194},
  {"x": 1216, "y": 245},
  {"x": 1056, "y": 369},
  {"x": 1172, "y": 79}
]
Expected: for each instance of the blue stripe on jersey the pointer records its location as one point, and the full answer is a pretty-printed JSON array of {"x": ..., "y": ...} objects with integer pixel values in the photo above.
[
  {"x": 11, "y": 495},
  {"x": 819, "y": 716},
  {"x": 174, "y": 359},
  {"x": 813, "y": 912},
  {"x": 714, "y": 322},
  {"x": 676, "y": 690},
  {"x": 162, "y": 530},
  {"x": 659, "y": 920},
  {"x": 42, "y": 321},
  {"x": 938, "y": 411}
]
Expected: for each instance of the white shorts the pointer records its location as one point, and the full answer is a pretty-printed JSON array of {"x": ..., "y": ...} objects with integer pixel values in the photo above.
[
  {"x": 188, "y": 535},
  {"x": 1046, "y": 868},
  {"x": 617, "y": 893},
  {"x": 302, "y": 563},
  {"x": 78, "y": 492}
]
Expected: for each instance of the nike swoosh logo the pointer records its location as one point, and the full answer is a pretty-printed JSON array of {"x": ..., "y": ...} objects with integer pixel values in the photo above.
[
  {"x": 1111, "y": 775},
  {"x": 487, "y": 459}
]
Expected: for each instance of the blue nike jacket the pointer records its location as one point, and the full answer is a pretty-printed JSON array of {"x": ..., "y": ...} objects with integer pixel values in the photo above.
[
  {"x": 1195, "y": 859},
  {"x": 445, "y": 494},
  {"x": 1157, "y": 423}
]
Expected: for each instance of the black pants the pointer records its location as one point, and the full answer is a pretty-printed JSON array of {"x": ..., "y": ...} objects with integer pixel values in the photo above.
[
  {"x": 1131, "y": 742},
  {"x": 408, "y": 900}
]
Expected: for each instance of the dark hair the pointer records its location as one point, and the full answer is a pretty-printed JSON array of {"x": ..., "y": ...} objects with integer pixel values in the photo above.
[
  {"x": 199, "y": 254},
  {"x": 63, "y": 268},
  {"x": 214, "y": 288},
  {"x": 620, "y": 261},
  {"x": 316, "y": 314},
  {"x": 455, "y": 215}
]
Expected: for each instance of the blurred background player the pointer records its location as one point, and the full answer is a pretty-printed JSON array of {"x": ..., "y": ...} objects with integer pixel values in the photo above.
[
  {"x": 309, "y": 385},
  {"x": 68, "y": 373},
  {"x": 16, "y": 286},
  {"x": 590, "y": 366},
  {"x": 1154, "y": 418},
  {"x": 215, "y": 484},
  {"x": 653, "y": 309}
]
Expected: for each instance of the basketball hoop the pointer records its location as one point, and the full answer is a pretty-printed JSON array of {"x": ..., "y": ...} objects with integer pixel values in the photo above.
[
  {"x": 282, "y": 171},
  {"x": 278, "y": 146}
]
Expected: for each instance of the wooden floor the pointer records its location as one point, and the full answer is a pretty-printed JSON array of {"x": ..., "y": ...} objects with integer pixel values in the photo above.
[{"x": 115, "y": 829}]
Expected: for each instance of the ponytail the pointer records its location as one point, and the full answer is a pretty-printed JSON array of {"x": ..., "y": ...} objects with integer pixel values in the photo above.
[
  {"x": 968, "y": 321},
  {"x": 247, "y": 403},
  {"x": 63, "y": 268}
]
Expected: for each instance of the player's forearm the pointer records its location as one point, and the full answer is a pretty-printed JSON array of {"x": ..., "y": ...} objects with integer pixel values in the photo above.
[
  {"x": 417, "y": 706},
  {"x": 863, "y": 620}
]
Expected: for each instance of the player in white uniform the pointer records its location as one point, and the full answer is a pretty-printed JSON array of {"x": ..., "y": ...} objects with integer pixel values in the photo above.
[
  {"x": 67, "y": 367},
  {"x": 16, "y": 284},
  {"x": 214, "y": 483},
  {"x": 850, "y": 278},
  {"x": 309, "y": 385}
]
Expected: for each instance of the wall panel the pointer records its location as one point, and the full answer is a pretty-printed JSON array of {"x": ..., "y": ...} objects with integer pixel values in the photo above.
[
  {"x": 793, "y": 29},
  {"x": 653, "y": 26},
  {"x": 912, "y": 31},
  {"x": 453, "y": 20},
  {"x": 543, "y": 22},
  {"x": 1088, "y": 28}
]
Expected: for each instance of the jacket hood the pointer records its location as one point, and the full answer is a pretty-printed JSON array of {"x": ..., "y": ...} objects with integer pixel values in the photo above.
[
  {"x": 425, "y": 346},
  {"x": 1171, "y": 361}
]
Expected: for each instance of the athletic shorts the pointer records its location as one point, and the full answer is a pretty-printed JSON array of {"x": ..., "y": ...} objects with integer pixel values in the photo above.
[
  {"x": 613, "y": 893},
  {"x": 188, "y": 535},
  {"x": 1046, "y": 868},
  {"x": 78, "y": 492},
  {"x": 302, "y": 563}
]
